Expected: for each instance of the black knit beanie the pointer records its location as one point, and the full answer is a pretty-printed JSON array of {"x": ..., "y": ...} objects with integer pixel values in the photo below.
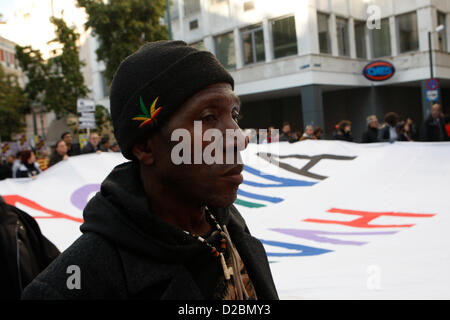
[{"x": 153, "y": 82}]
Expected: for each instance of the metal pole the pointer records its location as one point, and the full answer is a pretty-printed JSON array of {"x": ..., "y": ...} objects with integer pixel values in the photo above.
[
  {"x": 169, "y": 22},
  {"x": 430, "y": 46}
]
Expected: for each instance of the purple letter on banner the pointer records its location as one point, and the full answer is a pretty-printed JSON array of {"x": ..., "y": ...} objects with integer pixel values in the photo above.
[
  {"x": 315, "y": 235},
  {"x": 302, "y": 250},
  {"x": 80, "y": 197}
]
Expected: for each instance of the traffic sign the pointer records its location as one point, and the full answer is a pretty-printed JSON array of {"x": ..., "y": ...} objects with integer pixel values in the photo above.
[
  {"x": 85, "y": 105},
  {"x": 432, "y": 84},
  {"x": 432, "y": 95}
]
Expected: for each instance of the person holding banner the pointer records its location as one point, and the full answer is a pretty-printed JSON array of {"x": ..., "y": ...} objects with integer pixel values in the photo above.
[
  {"x": 6, "y": 167},
  {"x": 93, "y": 144},
  {"x": 59, "y": 154},
  {"x": 24, "y": 251},
  {"x": 73, "y": 149},
  {"x": 433, "y": 128},
  {"x": 373, "y": 128},
  {"x": 28, "y": 168},
  {"x": 158, "y": 229}
]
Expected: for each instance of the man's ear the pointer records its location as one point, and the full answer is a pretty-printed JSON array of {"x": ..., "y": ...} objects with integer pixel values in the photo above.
[{"x": 143, "y": 152}]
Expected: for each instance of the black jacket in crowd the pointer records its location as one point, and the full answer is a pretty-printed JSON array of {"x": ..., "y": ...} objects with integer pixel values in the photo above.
[
  {"x": 433, "y": 130},
  {"x": 287, "y": 138},
  {"x": 128, "y": 252},
  {"x": 370, "y": 136},
  {"x": 384, "y": 134},
  {"x": 74, "y": 150},
  {"x": 24, "y": 251},
  {"x": 55, "y": 158},
  {"x": 5, "y": 171},
  {"x": 343, "y": 136},
  {"x": 89, "y": 148}
]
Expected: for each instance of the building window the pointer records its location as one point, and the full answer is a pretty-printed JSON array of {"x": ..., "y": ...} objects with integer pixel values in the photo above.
[
  {"x": 442, "y": 36},
  {"x": 193, "y": 24},
  {"x": 225, "y": 51},
  {"x": 2, "y": 55},
  {"x": 199, "y": 45},
  {"x": 7, "y": 58},
  {"x": 249, "y": 5},
  {"x": 253, "y": 44},
  {"x": 342, "y": 37},
  {"x": 360, "y": 39},
  {"x": 407, "y": 32},
  {"x": 381, "y": 39},
  {"x": 284, "y": 37},
  {"x": 323, "y": 25},
  {"x": 105, "y": 87},
  {"x": 16, "y": 61},
  {"x": 191, "y": 7}
]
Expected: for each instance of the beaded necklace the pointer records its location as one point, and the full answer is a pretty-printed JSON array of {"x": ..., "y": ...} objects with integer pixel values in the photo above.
[{"x": 218, "y": 253}]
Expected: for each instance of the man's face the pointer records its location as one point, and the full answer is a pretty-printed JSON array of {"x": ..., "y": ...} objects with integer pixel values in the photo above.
[
  {"x": 215, "y": 185},
  {"x": 374, "y": 123},
  {"x": 68, "y": 138},
  {"x": 94, "y": 139},
  {"x": 347, "y": 129},
  {"x": 309, "y": 131},
  {"x": 436, "y": 111},
  {"x": 286, "y": 129},
  {"x": 61, "y": 148}
]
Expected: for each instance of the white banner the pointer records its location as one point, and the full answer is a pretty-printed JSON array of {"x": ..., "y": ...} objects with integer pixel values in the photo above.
[{"x": 338, "y": 220}]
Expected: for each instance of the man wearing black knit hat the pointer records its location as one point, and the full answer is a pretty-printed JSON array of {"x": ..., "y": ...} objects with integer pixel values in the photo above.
[{"x": 161, "y": 228}]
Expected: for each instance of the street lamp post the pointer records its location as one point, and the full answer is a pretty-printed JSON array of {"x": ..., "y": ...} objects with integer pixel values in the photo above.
[
  {"x": 430, "y": 47},
  {"x": 430, "y": 50}
]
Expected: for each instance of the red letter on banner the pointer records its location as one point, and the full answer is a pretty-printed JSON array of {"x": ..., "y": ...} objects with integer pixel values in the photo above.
[
  {"x": 367, "y": 216},
  {"x": 13, "y": 199}
]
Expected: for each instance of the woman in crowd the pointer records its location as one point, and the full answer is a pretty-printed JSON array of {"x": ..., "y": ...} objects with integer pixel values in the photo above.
[
  {"x": 344, "y": 131},
  {"x": 28, "y": 168},
  {"x": 404, "y": 131},
  {"x": 60, "y": 153}
]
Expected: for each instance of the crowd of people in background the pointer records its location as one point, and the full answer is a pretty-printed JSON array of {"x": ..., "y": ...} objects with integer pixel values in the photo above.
[
  {"x": 435, "y": 128},
  {"x": 26, "y": 165}
]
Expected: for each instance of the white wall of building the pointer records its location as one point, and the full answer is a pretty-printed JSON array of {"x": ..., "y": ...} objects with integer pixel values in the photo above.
[{"x": 309, "y": 66}]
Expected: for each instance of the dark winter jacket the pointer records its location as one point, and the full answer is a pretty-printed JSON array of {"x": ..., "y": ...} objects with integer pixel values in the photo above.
[
  {"x": 433, "y": 130},
  {"x": 74, "y": 150},
  {"x": 343, "y": 136},
  {"x": 128, "y": 252},
  {"x": 384, "y": 134},
  {"x": 370, "y": 136},
  {"x": 89, "y": 148},
  {"x": 287, "y": 138},
  {"x": 24, "y": 251},
  {"x": 28, "y": 170},
  {"x": 55, "y": 158},
  {"x": 5, "y": 171}
]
